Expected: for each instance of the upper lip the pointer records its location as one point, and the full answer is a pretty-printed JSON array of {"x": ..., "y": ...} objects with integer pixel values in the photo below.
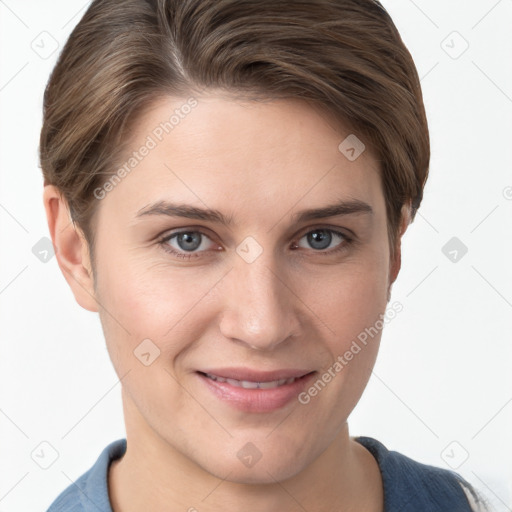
[{"x": 251, "y": 375}]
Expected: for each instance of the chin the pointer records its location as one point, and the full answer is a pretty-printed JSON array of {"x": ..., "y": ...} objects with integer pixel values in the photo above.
[
  {"x": 263, "y": 472},
  {"x": 243, "y": 463}
]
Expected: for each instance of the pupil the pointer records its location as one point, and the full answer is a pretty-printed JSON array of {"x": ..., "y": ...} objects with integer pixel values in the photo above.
[
  {"x": 320, "y": 239},
  {"x": 189, "y": 241}
]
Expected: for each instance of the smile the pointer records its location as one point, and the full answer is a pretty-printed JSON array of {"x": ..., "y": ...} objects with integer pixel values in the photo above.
[
  {"x": 255, "y": 391},
  {"x": 246, "y": 384}
]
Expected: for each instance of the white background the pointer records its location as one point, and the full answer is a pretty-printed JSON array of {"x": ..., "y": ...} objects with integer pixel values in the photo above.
[{"x": 444, "y": 368}]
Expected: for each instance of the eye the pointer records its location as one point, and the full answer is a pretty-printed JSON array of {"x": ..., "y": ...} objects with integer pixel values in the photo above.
[
  {"x": 322, "y": 238},
  {"x": 185, "y": 244},
  {"x": 192, "y": 243}
]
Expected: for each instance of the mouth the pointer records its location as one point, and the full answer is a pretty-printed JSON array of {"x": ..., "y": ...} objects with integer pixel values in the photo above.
[
  {"x": 247, "y": 384},
  {"x": 255, "y": 391}
]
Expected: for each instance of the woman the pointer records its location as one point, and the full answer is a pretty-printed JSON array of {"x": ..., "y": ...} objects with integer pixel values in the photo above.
[{"x": 238, "y": 176}]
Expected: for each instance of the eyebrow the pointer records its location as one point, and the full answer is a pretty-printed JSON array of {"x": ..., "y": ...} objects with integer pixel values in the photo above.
[{"x": 343, "y": 207}]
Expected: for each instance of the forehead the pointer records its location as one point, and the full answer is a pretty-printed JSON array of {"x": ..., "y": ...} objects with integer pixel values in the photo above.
[{"x": 244, "y": 155}]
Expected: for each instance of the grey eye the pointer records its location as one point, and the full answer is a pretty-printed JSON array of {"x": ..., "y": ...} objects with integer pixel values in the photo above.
[
  {"x": 188, "y": 241},
  {"x": 321, "y": 238}
]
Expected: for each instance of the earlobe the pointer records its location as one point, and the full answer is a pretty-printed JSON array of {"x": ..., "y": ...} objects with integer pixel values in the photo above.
[{"x": 71, "y": 248}]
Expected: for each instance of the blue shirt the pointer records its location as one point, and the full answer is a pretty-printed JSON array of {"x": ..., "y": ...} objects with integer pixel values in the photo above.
[{"x": 409, "y": 486}]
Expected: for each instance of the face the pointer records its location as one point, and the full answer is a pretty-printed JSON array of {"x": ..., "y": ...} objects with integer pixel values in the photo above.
[{"x": 262, "y": 286}]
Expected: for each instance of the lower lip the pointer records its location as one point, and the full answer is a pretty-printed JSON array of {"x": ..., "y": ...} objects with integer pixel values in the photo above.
[{"x": 257, "y": 400}]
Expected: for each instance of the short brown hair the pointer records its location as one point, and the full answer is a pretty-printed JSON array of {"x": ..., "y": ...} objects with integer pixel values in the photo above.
[{"x": 345, "y": 56}]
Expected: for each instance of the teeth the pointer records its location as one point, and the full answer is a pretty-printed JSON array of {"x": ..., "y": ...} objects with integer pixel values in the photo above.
[
  {"x": 219, "y": 379},
  {"x": 252, "y": 385}
]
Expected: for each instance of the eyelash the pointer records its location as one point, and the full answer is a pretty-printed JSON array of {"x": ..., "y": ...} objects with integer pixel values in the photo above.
[{"x": 347, "y": 241}]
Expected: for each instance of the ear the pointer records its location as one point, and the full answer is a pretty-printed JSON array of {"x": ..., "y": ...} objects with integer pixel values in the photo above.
[
  {"x": 71, "y": 248},
  {"x": 396, "y": 263}
]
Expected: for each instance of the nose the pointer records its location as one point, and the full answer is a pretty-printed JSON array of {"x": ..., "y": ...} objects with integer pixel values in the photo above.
[{"x": 260, "y": 309}]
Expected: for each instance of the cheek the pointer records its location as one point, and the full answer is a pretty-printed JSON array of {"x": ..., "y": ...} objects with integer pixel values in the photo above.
[
  {"x": 351, "y": 309},
  {"x": 146, "y": 325},
  {"x": 350, "y": 299},
  {"x": 143, "y": 301},
  {"x": 351, "y": 305}
]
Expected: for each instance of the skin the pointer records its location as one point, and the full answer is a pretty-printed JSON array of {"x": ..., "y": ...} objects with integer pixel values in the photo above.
[{"x": 293, "y": 306}]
